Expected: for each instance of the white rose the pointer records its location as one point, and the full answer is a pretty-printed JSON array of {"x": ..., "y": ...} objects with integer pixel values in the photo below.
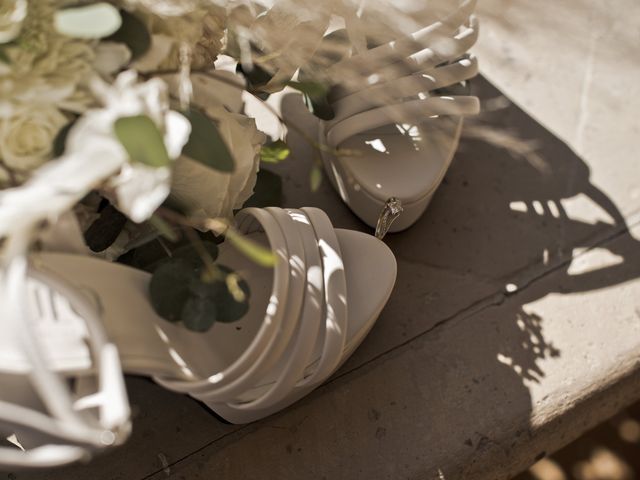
[
  {"x": 26, "y": 138},
  {"x": 12, "y": 15},
  {"x": 209, "y": 193},
  {"x": 44, "y": 66}
]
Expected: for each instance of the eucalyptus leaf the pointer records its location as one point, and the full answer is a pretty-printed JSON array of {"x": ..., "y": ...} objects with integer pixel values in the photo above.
[
  {"x": 105, "y": 229},
  {"x": 275, "y": 152},
  {"x": 313, "y": 89},
  {"x": 257, "y": 78},
  {"x": 315, "y": 96},
  {"x": 254, "y": 251},
  {"x": 169, "y": 288},
  {"x": 199, "y": 313},
  {"x": 206, "y": 145},
  {"x": 179, "y": 292},
  {"x": 4, "y": 58},
  {"x": 97, "y": 20},
  {"x": 142, "y": 140},
  {"x": 164, "y": 228},
  {"x": 229, "y": 308},
  {"x": 134, "y": 34},
  {"x": 319, "y": 106},
  {"x": 60, "y": 141},
  {"x": 315, "y": 178}
]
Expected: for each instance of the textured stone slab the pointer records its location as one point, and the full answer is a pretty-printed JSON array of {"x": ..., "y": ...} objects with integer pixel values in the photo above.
[
  {"x": 452, "y": 361},
  {"x": 480, "y": 397},
  {"x": 573, "y": 66},
  {"x": 458, "y": 377},
  {"x": 475, "y": 240}
]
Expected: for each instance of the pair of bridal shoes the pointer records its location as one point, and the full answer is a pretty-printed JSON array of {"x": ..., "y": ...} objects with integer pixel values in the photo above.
[{"x": 74, "y": 325}]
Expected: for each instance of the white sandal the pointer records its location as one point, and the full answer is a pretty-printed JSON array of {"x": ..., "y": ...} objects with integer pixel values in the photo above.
[
  {"x": 51, "y": 335},
  {"x": 406, "y": 132},
  {"x": 321, "y": 299}
]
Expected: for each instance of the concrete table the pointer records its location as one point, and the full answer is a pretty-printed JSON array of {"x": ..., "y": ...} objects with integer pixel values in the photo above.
[{"x": 513, "y": 328}]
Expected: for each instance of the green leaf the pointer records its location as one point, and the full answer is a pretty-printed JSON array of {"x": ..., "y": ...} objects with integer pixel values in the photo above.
[
  {"x": 254, "y": 251},
  {"x": 206, "y": 145},
  {"x": 257, "y": 78},
  {"x": 229, "y": 308},
  {"x": 267, "y": 192},
  {"x": 319, "y": 106},
  {"x": 313, "y": 89},
  {"x": 163, "y": 227},
  {"x": 275, "y": 152},
  {"x": 4, "y": 58},
  {"x": 189, "y": 254},
  {"x": 97, "y": 20},
  {"x": 60, "y": 141},
  {"x": 133, "y": 33},
  {"x": 142, "y": 140},
  {"x": 315, "y": 96},
  {"x": 179, "y": 292},
  {"x": 169, "y": 288},
  {"x": 315, "y": 178},
  {"x": 199, "y": 313},
  {"x": 105, "y": 229}
]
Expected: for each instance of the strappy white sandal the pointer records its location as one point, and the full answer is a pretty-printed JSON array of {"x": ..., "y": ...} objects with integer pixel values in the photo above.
[
  {"x": 405, "y": 128},
  {"x": 306, "y": 315},
  {"x": 62, "y": 390}
]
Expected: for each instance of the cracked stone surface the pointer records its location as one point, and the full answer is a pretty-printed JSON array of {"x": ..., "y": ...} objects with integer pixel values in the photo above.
[{"x": 515, "y": 322}]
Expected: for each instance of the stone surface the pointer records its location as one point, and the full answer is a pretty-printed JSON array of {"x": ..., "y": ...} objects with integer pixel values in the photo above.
[
  {"x": 573, "y": 66},
  {"x": 482, "y": 396},
  {"x": 515, "y": 323}
]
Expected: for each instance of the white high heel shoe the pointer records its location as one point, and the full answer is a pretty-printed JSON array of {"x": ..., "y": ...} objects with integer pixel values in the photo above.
[
  {"x": 45, "y": 325},
  {"x": 306, "y": 315},
  {"x": 404, "y": 128}
]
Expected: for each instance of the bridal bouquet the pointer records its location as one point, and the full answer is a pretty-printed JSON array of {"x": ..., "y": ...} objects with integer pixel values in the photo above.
[
  {"x": 107, "y": 136},
  {"x": 122, "y": 132}
]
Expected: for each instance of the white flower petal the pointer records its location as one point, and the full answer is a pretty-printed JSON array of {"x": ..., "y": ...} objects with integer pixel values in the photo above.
[
  {"x": 177, "y": 131},
  {"x": 137, "y": 190},
  {"x": 111, "y": 57},
  {"x": 141, "y": 189}
]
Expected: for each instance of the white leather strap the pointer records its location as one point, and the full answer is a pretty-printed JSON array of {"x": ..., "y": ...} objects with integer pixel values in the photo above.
[
  {"x": 408, "y": 112},
  {"x": 335, "y": 294},
  {"x": 408, "y": 86},
  {"x": 35, "y": 335},
  {"x": 298, "y": 355},
  {"x": 247, "y": 221},
  {"x": 377, "y": 58},
  {"x": 292, "y": 305},
  {"x": 48, "y": 456}
]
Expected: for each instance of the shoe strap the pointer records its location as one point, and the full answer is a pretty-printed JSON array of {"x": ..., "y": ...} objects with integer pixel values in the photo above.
[
  {"x": 459, "y": 105},
  {"x": 294, "y": 255},
  {"x": 302, "y": 345},
  {"x": 225, "y": 384},
  {"x": 409, "y": 86},
  {"x": 38, "y": 356},
  {"x": 335, "y": 295},
  {"x": 437, "y": 35}
]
